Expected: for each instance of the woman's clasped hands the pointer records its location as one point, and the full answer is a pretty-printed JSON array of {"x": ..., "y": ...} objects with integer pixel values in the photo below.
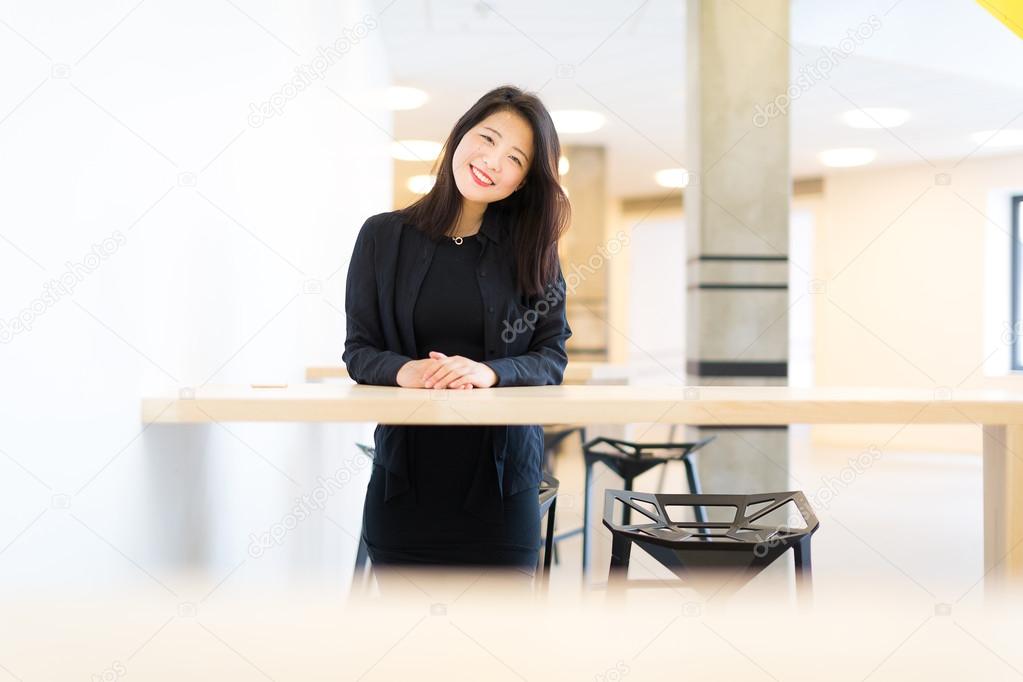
[{"x": 443, "y": 371}]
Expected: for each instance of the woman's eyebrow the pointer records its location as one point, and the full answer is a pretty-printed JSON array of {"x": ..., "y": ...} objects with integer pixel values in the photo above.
[{"x": 515, "y": 148}]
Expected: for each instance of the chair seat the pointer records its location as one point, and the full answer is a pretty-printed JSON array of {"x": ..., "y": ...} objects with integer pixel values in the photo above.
[
  {"x": 746, "y": 541},
  {"x": 742, "y": 532},
  {"x": 629, "y": 459},
  {"x": 548, "y": 491}
]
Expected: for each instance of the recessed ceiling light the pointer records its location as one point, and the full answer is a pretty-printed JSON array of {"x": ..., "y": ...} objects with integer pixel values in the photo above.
[
  {"x": 847, "y": 157},
  {"x": 577, "y": 120},
  {"x": 421, "y": 184},
  {"x": 1012, "y": 137},
  {"x": 672, "y": 177},
  {"x": 399, "y": 98},
  {"x": 563, "y": 165},
  {"x": 415, "y": 150},
  {"x": 875, "y": 117}
]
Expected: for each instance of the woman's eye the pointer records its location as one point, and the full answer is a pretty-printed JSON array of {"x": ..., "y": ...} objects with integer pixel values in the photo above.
[{"x": 491, "y": 141}]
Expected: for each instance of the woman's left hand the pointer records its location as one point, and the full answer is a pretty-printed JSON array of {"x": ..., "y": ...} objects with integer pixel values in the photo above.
[{"x": 458, "y": 372}]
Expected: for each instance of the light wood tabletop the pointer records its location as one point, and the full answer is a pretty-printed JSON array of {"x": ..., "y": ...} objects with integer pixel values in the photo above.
[
  {"x": 707, "y": 405},
  {"x": 576, "y": 372},
  {"x": 998, "y": 412}
]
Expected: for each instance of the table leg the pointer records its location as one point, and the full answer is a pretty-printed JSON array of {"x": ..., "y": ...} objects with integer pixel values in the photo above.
[
  {"x": 1003, "y": 504},
  {"x": 587, "y": 493}
]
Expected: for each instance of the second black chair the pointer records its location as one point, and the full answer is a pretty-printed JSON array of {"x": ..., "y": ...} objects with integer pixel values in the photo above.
[{"x": 628, "y": 460}]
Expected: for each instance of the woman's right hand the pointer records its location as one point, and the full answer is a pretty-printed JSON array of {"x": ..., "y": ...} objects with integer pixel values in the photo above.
[{"x": 411, "y": 373}]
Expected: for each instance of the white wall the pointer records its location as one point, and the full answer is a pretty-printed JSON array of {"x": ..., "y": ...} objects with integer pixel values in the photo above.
[
  {"x": 916, "y": 264},
  {"x": 228, "y": 241},
  {"x": 800, "y": 315},
  {"x": 657, "y": 298},
  {"x": 898, "y": 278}
]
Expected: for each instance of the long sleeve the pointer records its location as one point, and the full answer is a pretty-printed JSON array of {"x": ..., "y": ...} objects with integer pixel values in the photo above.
[
  {"x": 364, "y": 357},
  {"x": 545, "y": 361}
]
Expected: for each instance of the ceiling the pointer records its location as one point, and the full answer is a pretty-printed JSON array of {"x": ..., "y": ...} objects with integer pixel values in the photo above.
[{"x": 948, "y": 62}]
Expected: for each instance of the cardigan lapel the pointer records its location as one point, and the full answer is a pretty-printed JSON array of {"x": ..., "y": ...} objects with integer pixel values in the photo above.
[
  {"x": 421, "y": 255},
  {"x": 421, "y": 250}
]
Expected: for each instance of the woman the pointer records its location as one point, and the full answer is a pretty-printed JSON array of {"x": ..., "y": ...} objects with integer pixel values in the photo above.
[{"x": 463, "y": 290}]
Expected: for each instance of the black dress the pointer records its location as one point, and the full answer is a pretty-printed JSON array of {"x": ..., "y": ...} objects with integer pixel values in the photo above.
[{"x": 434, "y": 522}]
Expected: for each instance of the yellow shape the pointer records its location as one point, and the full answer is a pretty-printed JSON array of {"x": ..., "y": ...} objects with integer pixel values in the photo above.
[{"x": 1009, "y": 12}]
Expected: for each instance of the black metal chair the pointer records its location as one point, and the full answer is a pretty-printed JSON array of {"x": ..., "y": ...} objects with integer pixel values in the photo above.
[
  {"x": 549, "y": 487},
  {"x": 548, "y": 505},
  {"x": 554, "y": 436},
  {"x": 361, "y": 575},
  {"x": 628, "y": 460},
  {"x": 745, "y": 543}
]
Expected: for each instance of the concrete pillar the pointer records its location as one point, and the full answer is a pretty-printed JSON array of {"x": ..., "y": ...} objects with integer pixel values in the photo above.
[{"x": 737, "y": 224}]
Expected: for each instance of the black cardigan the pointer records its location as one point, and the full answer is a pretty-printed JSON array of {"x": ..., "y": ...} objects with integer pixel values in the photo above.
[{"x": 524, "y": 336}]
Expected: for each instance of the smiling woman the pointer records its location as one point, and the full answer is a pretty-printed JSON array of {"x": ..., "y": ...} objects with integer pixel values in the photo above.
[
  {"x": 503, "y": 154},
  {"x": 430, "y": 290}
]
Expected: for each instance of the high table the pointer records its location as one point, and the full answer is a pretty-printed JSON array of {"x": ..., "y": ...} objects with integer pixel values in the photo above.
[{"x": 998, "y": 412}]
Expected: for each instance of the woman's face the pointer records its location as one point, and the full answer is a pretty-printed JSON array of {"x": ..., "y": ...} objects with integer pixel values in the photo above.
[{"x": 500, "y": 147}]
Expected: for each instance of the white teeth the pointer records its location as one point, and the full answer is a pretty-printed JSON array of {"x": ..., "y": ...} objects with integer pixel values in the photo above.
[{"x": 480, "y": 176}]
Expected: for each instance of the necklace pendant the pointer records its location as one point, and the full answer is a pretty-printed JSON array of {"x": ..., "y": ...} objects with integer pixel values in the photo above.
[{"x": 458, "y": 240}]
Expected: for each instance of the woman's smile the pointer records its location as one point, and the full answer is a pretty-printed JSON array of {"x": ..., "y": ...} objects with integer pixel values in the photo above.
[{"x": 481, "y": 178}]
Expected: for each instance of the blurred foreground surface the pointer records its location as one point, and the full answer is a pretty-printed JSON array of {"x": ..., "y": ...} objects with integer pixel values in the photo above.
[{"x": 480, "y": 624}]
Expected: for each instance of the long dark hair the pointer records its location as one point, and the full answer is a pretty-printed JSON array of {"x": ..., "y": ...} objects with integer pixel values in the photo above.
[{"x": 538, "y": 214}]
